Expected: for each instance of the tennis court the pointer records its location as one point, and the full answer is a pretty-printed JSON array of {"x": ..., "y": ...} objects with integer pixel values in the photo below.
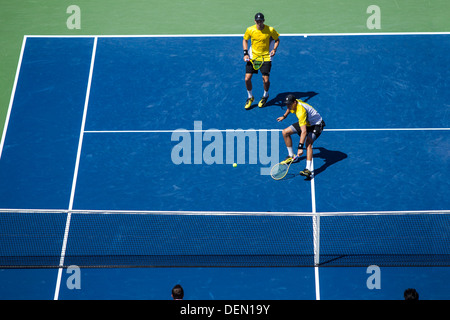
[{"x": 91, "y": 172}]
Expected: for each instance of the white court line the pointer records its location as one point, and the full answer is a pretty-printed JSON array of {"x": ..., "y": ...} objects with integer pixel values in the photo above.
[
  {"x": 240, "y": 35},
  {"x": 75, "y": 175},
  {"x": 257, "y": 130},
  {"x": 316, "y": 281},
  {"x": 389, "y": 129}
]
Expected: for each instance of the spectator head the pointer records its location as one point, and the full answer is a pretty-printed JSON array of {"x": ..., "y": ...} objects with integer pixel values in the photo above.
[
  {"x": 177, "y": 292},
  {"x": 411, "y": 294}
]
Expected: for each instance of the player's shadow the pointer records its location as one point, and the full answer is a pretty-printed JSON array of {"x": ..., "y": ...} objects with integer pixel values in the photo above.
[
  {"x": 279, "y": 99},
  {"x": 330, "y": 157}
]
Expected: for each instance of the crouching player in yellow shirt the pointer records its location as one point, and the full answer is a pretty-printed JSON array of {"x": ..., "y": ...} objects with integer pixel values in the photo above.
[
  {"x": 309, "y": 127},
  {"x": 262, "y": 38}
]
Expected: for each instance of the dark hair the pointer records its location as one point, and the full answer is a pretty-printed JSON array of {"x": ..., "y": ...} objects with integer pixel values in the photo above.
[
  {"x": 411, "y": 294},
  {"x": 177, "y": 292}
]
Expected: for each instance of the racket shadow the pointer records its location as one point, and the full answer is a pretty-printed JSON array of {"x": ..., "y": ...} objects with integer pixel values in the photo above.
[
  {"x": 291, "y": 176},
  {"x": 294, "y": 170}
]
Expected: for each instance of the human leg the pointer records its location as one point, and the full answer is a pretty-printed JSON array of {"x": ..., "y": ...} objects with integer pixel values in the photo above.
[
  {"x": 287, "y": 132},
  {"x": 249, "y": 86}
]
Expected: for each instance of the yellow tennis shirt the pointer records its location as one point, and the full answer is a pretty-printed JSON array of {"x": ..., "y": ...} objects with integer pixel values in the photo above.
[
  {"x": 261, "y": 40},
  {"x": 306, "y": 114}
]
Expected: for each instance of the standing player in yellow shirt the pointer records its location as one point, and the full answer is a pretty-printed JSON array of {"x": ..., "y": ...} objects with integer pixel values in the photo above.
[
  {"x": 309, "y": 127},
  {"x": 261, "y": 37}
]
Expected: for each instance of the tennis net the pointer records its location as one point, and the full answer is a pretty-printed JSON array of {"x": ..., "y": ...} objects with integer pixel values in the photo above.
[{"x": 52, "y": 239}]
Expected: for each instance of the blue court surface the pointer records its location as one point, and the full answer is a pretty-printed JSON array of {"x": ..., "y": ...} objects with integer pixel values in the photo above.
[{"x": 117, "y": 152}]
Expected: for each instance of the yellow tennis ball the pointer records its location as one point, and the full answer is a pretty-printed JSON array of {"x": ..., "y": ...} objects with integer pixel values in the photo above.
[{"x": 234, "y": 165}]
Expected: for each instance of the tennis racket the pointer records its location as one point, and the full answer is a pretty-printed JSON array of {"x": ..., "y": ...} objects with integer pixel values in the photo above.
[
  {"x": 257, "y": 62},
  {"x": 280, "y": 170}
]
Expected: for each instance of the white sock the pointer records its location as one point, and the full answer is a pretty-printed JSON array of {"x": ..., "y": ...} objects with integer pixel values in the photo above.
[
  {"x": 309, "y": 165},
  {"x": 291, "y": 152},
  {"x": 266, "y": 94},
  {"x": 250, "y": 94}
]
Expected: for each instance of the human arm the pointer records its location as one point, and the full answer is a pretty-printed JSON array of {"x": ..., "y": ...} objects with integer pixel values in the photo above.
[
  {"x": 275, "y": 47},
  {"x": 245, "y": 47},
  {"x": 284, "y": 116},
  {"x": 302, "y": 140}
]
